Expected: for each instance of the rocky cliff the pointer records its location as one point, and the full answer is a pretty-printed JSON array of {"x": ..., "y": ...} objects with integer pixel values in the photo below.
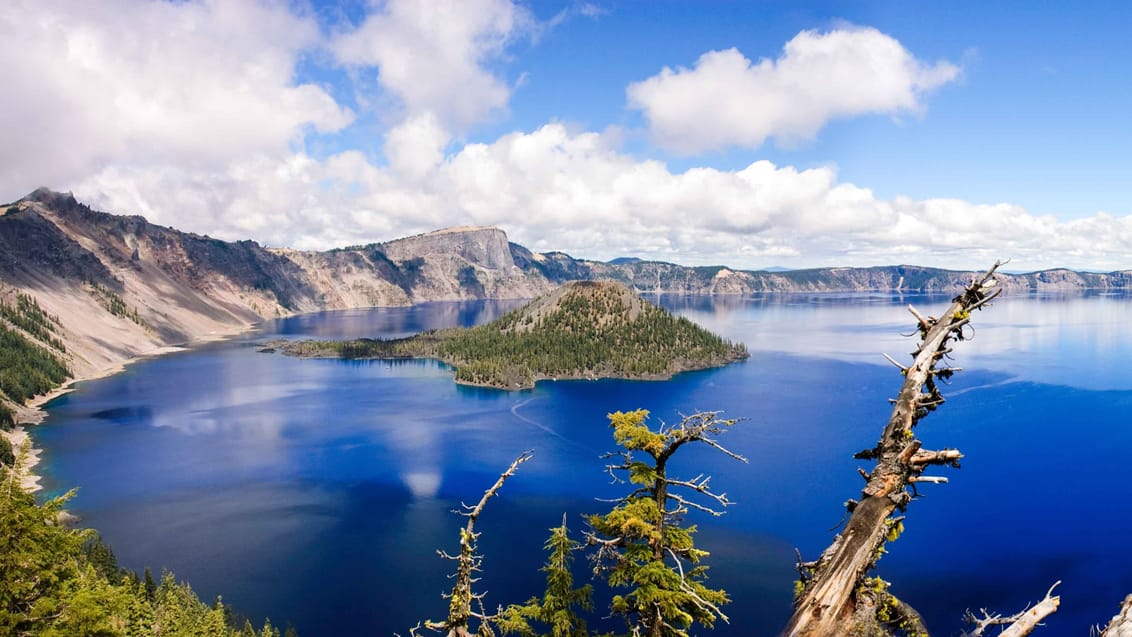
[{"x": 122, "y": 286}]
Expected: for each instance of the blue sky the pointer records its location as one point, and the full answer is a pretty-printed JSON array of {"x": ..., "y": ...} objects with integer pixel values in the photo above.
[{"x": 745, "y": 133}]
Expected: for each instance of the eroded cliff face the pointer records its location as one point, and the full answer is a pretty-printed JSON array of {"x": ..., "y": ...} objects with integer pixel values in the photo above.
[
  {"x": 122, "y": 286},
  {"x": 463, "y": 263},
  {"x": 483, "y": 247}
]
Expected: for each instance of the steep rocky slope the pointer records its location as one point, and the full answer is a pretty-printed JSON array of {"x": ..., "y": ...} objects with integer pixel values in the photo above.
[{"x": 122, "y": 286}]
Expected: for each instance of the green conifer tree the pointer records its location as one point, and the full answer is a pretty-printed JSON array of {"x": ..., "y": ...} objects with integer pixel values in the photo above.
[
  {"x": 643, "y": 544},
  {"x": 559, "y": 604}
]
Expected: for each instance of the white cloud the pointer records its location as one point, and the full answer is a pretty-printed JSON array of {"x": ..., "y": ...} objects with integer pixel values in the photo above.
[
  {"x": 726, "y": 100},
  {"x": 416, "y": 146},
  {"x": 189, "y": 113},
  {"x": 577, "y": 192},
  {"x": 434, "y": 56},
  {"x": 89, "y": 85}
]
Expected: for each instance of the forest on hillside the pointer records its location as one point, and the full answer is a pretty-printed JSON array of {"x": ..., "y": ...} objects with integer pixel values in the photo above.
[
  {"x": 59, "y": 581},
  {"x": 31, "y": 361}
]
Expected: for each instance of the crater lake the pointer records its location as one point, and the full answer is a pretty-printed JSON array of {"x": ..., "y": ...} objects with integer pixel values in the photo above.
[{"x": 317, "y": 492}]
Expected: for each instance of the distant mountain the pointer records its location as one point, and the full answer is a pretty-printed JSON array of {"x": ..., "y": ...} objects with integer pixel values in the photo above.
[
  {"x": 624, "y": 260},
  {"x": 121, "y": 286},
  {"x": 583, "y": 329}
]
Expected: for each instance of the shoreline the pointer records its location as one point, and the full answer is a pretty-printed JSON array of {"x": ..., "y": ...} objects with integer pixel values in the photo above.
[
  {"x": 34, "y": 413},
  {"x": 280, "y": 347}
]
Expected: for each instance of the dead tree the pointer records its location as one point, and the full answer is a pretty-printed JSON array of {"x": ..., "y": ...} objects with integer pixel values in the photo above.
[
  {"x": 462, "y": 600},
  {"x": 1121, "y": 625},
  {"x": 1018, "y": 624},
  {"x": 834, "y": 596}
]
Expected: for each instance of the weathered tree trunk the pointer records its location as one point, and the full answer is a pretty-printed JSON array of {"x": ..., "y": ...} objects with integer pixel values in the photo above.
[
  {"x": 1121, "y": 625},
  {"x": 1019, "y": 624},
  {"x": 834, "y": 586}
]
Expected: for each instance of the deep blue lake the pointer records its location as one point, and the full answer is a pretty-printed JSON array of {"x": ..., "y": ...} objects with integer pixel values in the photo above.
[{"x": 317, "y": 492}]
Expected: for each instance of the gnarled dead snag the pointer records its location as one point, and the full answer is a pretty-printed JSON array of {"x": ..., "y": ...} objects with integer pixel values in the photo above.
[
  {"x": 460, "y": 600},
  {"x": 1121, "y": 625},
  {"x": 1017, "y": 625},
  {"x": 833, "y": 597}
]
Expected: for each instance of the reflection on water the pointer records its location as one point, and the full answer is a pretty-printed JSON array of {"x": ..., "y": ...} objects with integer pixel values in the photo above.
[
  {"x": 395, "y": 322},
  {"x": 1077, "y": 340},
  {"x": 317, "y": 491}
]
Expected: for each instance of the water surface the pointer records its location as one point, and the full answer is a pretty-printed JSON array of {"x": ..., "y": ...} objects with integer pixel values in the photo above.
[{"x": 317, "y": 491}]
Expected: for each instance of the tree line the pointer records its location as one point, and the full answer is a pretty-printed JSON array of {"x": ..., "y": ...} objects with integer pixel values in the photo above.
[
  {"x": 28, "y": 368},
  {"x": 29, "y": 317},
  {"x": 58, "y": 581}
]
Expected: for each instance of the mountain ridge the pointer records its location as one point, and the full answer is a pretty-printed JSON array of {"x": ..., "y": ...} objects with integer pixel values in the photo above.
[{"x": 123, "y": 287}]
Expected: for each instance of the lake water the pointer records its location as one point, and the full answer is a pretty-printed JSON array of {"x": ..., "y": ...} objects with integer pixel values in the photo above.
[{"x": 317, "y": 491}]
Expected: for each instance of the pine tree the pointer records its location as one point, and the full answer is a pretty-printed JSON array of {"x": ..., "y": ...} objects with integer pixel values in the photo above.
[
  {"x": 643, "y": 544},
  {"x": 557, "y": 608}
]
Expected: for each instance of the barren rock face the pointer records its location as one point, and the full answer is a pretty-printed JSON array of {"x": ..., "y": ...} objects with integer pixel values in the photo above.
[
  {"x": 483, "y": 247},
  {"x": 122, "y": 286}
]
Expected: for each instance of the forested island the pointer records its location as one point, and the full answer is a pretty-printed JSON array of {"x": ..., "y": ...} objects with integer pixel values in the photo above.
[{"x": 582, "y": 330}]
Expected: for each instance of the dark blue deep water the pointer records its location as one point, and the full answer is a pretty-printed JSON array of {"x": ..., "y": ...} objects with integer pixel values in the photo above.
[{"x": 316, "y": 492}]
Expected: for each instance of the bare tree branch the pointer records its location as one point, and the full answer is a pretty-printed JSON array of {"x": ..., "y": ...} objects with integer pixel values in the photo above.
[
  {"x": 1121, "y": 624},
  {"x": 462, "y": 597},
  {"x": 1019, "y": 624},
  {"x": 829, "y": 598}
]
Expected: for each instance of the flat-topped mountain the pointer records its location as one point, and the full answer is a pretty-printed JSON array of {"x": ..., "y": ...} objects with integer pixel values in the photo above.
[
  {"x": 584, "y": 329},
  {"x": 478, "y": 246}
]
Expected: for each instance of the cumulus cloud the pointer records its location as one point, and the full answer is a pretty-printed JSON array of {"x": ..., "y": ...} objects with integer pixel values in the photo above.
[
  {"x": 434, "y": 56},
  {"x": 92, "y": 84},
  {"x": 190, "y": 114},
  {"x": 727, "y": 100},
  {"x": 553, "y": 189}
]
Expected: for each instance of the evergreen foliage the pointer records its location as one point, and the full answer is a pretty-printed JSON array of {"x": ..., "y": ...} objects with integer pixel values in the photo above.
[
  {"x": 114, "y": 303},
  {"x": 591, "y": 332},
  {"x": 558, "y": 608},
  {"x": 57, "y": 581},
  {"x": 643, "y": 544},
  {"x": 29, "y": 317},
  {"x": 7, "y": 455},
  {"x": 7, "y": 417},
  {"x": 26, "y": 369}
]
